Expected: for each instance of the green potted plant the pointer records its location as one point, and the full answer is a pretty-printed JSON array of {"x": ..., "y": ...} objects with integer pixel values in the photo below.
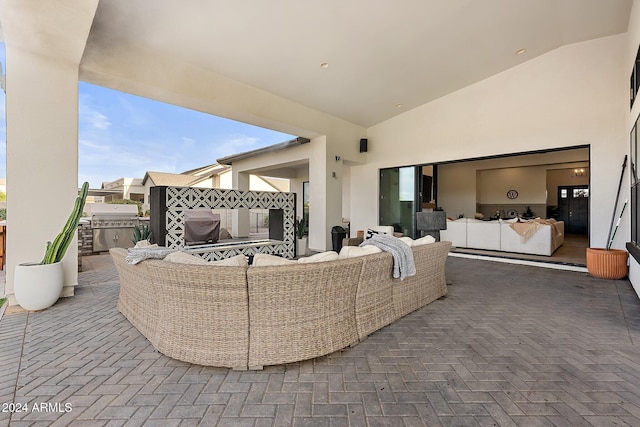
[
  {"x": 301, "y": 241},
  {"x": 141, "y": 232},
  {"x": 37, "y": 285}
]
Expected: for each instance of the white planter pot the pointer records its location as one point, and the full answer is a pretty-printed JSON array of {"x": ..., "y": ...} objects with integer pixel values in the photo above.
[
  {"x": 302, "y": 246},
  {"x": 38, "y": 286}
]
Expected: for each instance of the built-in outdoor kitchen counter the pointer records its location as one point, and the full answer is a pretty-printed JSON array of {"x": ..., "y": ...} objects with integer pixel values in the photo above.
[
  {"x": 112, "y": 225},
  {"x": 169, "y": 205}
]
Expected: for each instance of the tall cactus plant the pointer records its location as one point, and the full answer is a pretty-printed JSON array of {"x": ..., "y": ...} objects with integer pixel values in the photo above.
[{"x": 56, "y": 249}]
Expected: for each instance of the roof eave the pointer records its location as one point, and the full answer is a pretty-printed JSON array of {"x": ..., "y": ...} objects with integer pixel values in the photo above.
[{"x": 228, "y": 160}]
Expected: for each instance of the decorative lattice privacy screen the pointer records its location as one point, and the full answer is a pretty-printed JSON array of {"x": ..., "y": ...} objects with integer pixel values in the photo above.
[{"x": 169, "y": 203}]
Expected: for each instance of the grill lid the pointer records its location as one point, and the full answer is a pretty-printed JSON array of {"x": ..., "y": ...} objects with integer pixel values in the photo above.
[
  {"x": 111, "y": 216},
  {"x": 108, "y": 210}
]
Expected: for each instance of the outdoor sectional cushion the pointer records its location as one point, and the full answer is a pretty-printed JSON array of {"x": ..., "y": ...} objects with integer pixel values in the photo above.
[
  {"x": 185, "y": 258},
  {"x": 417, "y": 242},
  {"x": 234, "y": 261},
  {"x": 321, "y": 257},
  {"x": 426, "y": 240},
  {"x": 408, "y": 240},
  {"x": 263, "y": 260},
  {"x": 356, "y": 251}
]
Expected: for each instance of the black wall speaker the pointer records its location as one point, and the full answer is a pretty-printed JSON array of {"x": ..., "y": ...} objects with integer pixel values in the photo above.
[{"x": 363, "y": 145}]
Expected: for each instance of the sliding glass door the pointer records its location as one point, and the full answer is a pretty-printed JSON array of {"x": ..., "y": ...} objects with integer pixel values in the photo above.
[{"x": 398, "y": 195}]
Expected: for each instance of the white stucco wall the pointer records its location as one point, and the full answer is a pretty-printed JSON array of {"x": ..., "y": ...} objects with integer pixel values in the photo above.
[
  {"x": 572, "y": 96},
  {"x": 529, "y": 182}
]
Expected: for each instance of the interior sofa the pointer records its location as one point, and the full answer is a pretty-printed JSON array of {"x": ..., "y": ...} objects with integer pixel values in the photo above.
[
  {"x": 247, "y": 317},
  {"x": 537, "y": 237}
]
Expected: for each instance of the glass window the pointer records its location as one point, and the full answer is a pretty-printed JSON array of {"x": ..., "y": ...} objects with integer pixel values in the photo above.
[
  {"x": 580, "y": 192},
  {"x": 407, "y": 184},
  {"x": 305, "y": 203},
  {"x": 563, "y": 193},
  {"x": 398, "y": 199},
  {"x": 635, "y": 185}
]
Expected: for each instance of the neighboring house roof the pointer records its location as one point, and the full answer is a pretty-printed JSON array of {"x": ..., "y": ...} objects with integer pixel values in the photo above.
[
  {"x": 247, "y": 154},
  {"x": 171, "y": 179},
  {"x": 210, "y": 170}
]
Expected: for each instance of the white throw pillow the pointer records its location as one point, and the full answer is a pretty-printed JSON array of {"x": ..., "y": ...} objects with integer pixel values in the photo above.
[
  {"x": 234, "y": 261},
  {"x": 185, "y": 258},
  {"x": 378, "y": 229},
  {"x": 262, "y": 260},
  {"x": 356, "y": 251},
  {"x": 321, "y": 257},
  {"x": 369, "y": 233},
  {"x": 424, "y": 241}
]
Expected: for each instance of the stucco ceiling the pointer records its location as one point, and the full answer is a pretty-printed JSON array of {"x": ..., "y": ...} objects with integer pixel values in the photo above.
[{"x": 380, "y": 53}]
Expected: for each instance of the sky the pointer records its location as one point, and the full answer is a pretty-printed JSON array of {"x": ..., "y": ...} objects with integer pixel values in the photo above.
[{"x": 123, "y": 135}]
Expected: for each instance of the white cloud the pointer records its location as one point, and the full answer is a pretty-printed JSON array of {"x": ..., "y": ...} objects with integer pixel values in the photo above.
[
  {"x": 188, "y": 141},
  {"x": 92, "y": 145},
  {"x": 138, "y": 117},
  {"x": 234, "y": 145},
  {"x": 98, "y": 120},
  {"x": 91, "y": 116}
]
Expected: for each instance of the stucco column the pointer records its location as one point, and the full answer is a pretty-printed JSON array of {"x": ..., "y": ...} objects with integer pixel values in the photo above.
[
  {"x": 240, "y": 227},
  {"x": 325, "y": 198},
  {"x": 43, "y": 49}
]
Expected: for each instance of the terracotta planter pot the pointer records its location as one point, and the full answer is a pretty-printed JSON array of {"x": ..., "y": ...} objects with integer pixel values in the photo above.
[{"x": 607, "y": 264}]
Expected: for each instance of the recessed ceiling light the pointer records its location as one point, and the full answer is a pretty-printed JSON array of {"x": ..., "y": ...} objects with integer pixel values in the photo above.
[
  {"x": 398, "y": 105},
  {"x": 324, "y": 65},
  {"x": 520, "y": 51}
]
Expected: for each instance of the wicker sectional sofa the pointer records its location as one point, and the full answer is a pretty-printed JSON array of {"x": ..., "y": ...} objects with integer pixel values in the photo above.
[{"x": 250, "y": 317}]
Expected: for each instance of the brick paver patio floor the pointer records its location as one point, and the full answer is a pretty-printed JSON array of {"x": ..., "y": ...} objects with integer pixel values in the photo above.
[{"x": 510, "y": 345}]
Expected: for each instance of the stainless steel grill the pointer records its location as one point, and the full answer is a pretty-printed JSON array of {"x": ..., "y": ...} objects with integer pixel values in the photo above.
[{"x": 113, "y": 226}]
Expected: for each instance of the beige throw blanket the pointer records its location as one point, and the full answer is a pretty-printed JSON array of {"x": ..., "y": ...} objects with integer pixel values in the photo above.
[{"x": 529, "y": 228}]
